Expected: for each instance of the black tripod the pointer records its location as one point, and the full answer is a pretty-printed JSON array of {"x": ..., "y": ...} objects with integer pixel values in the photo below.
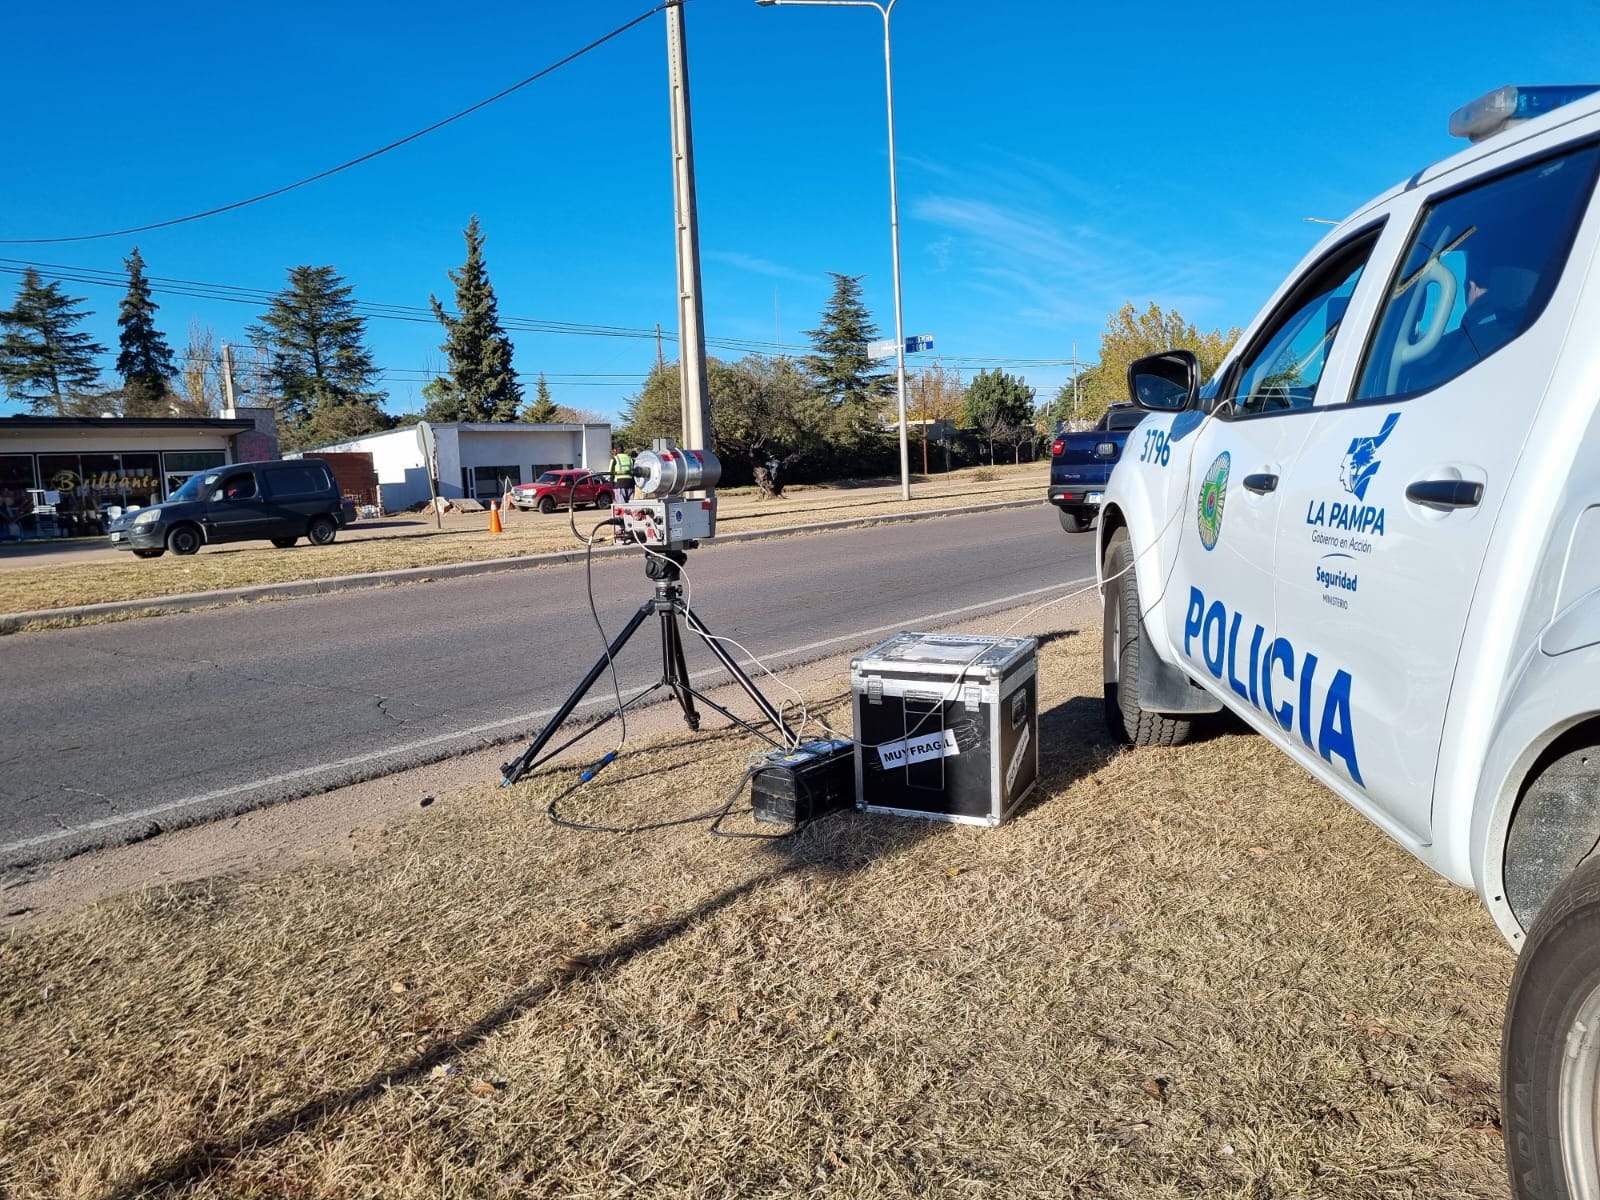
[{"x": 668, "y": 604}]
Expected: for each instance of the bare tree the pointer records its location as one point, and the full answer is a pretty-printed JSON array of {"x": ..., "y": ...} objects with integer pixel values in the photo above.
[
  {"x": 567, "y": 415},
  {"x": 1018, "y": 434},
  {"x": 199, "y": 391}
]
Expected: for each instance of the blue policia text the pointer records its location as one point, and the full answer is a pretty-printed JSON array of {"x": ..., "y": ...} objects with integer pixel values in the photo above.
[{"x": 1276, "y": 679}]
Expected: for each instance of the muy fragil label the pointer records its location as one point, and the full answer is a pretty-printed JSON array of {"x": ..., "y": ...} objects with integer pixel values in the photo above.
[{"x": 940, "y": 744}]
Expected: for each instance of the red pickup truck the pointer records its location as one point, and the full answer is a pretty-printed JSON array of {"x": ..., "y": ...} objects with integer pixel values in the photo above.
[{"x": 560, "y": 489}]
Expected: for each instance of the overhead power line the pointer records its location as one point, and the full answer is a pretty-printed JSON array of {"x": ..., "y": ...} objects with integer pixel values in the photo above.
[
  {"x": 237, "y": 294},
  {"x": 345, "y": 166},
  {"x": 416, "y": 314}
]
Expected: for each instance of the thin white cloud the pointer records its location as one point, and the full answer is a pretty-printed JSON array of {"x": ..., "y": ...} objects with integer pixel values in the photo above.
[
  {"x": 1057, "y": 272},
  {"x": 761, "y": 266}
]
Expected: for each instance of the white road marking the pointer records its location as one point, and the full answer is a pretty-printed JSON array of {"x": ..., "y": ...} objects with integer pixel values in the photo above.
[{"x": 540, "y": 715}]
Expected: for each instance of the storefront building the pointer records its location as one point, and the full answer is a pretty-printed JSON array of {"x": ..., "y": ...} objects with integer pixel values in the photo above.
[{"x": 68, "y": 476}]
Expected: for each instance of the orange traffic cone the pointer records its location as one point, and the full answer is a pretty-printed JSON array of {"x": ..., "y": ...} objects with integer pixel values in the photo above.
[{"x": 494, "y": 517}]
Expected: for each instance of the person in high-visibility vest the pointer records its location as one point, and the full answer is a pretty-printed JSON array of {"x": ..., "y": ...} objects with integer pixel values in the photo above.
[{"x": 622, "y": 474}]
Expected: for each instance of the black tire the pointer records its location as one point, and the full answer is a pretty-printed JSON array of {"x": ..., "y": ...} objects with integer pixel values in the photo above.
[
  {"x": 322, "y": 531},
  {"x": 603, "y": 500},
  {"x": 1550, "y": 1053},
  {"x": 185, "y": 539},
  {"x": 284, "y": 543},
  {"x": 148, "y": 553},
  {"x": 1074, "y": 520},
  {"x": 1126, "y": 721},
  {"x": 547, "y": 505}
]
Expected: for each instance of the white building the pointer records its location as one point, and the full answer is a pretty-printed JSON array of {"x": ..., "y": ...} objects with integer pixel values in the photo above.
[{"x": 477, "y": 460}]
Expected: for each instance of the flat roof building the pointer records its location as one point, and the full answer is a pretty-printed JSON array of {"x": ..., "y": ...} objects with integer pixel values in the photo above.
[{"x": 476, "y": 460}]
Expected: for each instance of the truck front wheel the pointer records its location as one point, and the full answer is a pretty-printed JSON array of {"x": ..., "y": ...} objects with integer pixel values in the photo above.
[
  {"x": 1550, "y": 1059},
  {"x": 1124, "y": 718},
  {"x": 1074, "y": 520}
]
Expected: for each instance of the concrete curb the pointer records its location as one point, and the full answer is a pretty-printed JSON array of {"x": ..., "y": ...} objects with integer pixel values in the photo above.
[{"x": 189, "y": 601}]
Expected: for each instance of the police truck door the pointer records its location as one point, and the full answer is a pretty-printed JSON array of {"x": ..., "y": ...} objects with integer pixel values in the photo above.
[
  {"x": 1221, "y": 600},
  {"x": 1390, "y": 506}
]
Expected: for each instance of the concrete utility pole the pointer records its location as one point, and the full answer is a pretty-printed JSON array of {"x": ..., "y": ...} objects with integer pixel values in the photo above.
[
  {"x": 1077, "y": 365},
  {"x": 227, "y": 380},
  {"x": 691, "y": 313}
]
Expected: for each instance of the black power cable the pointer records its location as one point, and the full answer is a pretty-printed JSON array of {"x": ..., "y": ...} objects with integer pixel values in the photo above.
[{"x": 345, "y": 166}]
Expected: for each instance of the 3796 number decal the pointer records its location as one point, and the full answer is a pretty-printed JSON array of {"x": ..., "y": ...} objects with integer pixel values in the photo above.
[{"x": 1156, "y": 447}]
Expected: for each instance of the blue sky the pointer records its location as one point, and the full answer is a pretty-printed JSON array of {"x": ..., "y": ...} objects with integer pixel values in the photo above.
[{"x": 1054, "y": 160}]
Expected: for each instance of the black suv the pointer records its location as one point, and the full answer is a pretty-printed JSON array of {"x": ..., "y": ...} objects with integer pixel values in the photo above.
[{"x": 280, "y": 501}]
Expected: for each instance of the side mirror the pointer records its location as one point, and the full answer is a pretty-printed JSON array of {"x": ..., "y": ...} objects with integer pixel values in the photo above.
[{"x": 1164, "y": 382}]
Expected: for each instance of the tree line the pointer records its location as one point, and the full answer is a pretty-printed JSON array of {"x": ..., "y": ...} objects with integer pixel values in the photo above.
[
  {"x": 831, "y": 413},
  {"x": 311, "y": 362}
]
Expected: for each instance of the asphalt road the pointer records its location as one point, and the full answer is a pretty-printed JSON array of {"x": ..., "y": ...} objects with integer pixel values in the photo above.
[{"x": 115, "y": 731}]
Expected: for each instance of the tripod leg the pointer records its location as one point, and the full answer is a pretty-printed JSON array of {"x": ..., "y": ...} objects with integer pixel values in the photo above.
[
  {"x": 733, "y": 668},
  {"x": 515, "y": 769},
  {"x": 674, "y": 670}
]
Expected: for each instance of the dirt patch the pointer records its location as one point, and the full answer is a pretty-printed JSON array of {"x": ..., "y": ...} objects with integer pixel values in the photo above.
[{"x": 1175, "y": 973}]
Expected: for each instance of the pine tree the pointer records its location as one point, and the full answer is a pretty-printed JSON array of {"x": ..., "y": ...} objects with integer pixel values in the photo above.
[
  {"x": 541, "y": 409},
  {"x": 840, "y": 365},
  {"x": 145, "y": 362},
  {"x": 44, "y": 360},
  {"x": 317, "y": 361},
  {"x": 481, "y": 381}
]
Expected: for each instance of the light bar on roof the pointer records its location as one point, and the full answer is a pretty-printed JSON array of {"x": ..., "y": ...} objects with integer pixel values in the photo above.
[{"x": 1511, "y": 105}]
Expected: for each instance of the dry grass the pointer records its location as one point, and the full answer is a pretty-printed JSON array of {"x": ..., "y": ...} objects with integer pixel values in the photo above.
[
  {"x": 396, "y": 543},
  {"x": 1176, "y": 973}
]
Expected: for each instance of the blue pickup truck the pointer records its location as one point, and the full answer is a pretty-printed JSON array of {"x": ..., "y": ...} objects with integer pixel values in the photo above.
[{"x": 1080, "y": 464}]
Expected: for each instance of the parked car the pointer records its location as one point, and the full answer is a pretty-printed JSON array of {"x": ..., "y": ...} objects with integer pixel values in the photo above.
[
  {"x": 561, "y": 489},
  {"x": 1080, "y": 465},
  {"x": 280, "y": 501},
  {"x": 1374, "y": 535}
]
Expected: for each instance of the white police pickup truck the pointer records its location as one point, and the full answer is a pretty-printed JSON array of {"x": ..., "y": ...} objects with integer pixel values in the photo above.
[{"x": 1374, "y": 534}]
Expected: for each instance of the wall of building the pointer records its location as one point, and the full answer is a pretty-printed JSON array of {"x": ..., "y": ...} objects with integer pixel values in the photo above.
[
  {"x": 397, "y": 460},
  {"x": 259, "y": 444},
  {"x": 115, "y": 439},
  {"x": 596, "y": 448},
  {"x": 487, "y": 457}
]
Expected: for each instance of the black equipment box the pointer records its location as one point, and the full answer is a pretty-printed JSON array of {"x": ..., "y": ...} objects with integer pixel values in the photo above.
[
  {"x": 809, "y": 781},
  {"x": 946, "y": 725}
]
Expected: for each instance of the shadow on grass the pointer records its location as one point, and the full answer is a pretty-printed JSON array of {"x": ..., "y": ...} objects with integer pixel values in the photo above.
[
  {"x": 206, "y": 1158},
  {"x": 834, "y": 849},
  {"x": 838, "y": 845}
]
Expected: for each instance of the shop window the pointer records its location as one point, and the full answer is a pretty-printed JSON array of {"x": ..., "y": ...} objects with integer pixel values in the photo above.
[
  {"x": 90, "y": 486},
  {"x": 16, "y": 480}
]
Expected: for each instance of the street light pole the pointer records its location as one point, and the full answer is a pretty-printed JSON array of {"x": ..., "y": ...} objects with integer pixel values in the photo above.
[{"x": 894, "y": 219}]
